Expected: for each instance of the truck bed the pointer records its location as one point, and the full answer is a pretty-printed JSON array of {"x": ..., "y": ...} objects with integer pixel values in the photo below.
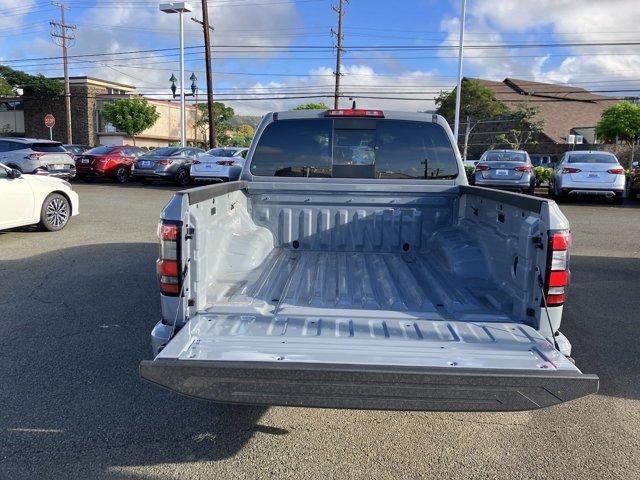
[{"x": 393, "y": 285}]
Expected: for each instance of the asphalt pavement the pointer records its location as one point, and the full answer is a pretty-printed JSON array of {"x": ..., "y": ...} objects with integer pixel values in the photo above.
[{"x": 76, "y": 308}]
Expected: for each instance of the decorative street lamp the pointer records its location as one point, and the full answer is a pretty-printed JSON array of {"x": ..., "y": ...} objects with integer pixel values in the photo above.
[
  {"x": 180, "y": 8},
  {"x": 194, "y": 86}
]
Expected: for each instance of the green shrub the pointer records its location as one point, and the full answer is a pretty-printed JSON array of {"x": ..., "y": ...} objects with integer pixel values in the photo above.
[
  {"x": 543, "y": 175},
  {"x": 468, "y": 169}
]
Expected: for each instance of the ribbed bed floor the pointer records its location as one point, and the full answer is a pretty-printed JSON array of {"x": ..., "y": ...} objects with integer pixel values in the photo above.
[{"x": 308, "y": 282}]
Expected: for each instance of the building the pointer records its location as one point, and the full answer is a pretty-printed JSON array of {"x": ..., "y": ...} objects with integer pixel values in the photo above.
[
  {"x": 88, "y": 96},
  {"x": 566, "y": 111}
]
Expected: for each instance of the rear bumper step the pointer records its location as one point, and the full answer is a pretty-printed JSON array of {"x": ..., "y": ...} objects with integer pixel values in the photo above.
[{"x": 368, "y": 387}]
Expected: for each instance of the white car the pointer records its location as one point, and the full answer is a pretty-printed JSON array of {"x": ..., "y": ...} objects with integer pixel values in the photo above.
[
  {"x": 221, "y": 164},
  {"x": 30, "y": 199}
]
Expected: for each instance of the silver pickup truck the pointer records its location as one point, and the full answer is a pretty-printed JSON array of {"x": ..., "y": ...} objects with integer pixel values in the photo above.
[{"x": 353, "y": 267}]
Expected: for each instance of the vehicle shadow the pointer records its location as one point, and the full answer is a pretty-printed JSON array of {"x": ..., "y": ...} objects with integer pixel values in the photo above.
[
  {"x": 600, "y": 319},
  {"x": 75, "y": 326}
]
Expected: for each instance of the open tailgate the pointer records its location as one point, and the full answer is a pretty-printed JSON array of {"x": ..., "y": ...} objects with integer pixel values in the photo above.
[{"x": 367, "y": 363}]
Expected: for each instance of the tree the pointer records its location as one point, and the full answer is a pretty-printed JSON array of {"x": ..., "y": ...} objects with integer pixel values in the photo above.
[
  {"x": 620, "y": 122},
  {"x": 223, "y": 115},
  {"x": 32, "y": 85},
  {"x": 242, "y": 136},
  {"x": 478, "y": 103},
  {"x": 525, "y": 127},
  {"x": 131, "y": 115},
  {"x": 6, "y": 90},
  {"x": 312, "y": 106}
]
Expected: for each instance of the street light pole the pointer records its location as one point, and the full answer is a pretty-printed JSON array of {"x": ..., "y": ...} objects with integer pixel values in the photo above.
[
  {"x": 456, "y": 126},
  {"x": 180, "y": 8}
]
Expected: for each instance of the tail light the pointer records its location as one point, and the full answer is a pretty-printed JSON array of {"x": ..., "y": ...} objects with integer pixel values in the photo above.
[
  {"x": 196, "y": 162},
  {"x": 558, "y": 274},
  {"x": 34, "y": 156},
  {"x": 616, "y": 171},
  {"x": 164, "y": 162},
  {"x": 570, "y": 170},
  {"x": 168, "y": 265},
  {"x": 227, "y": 163},
  {"x": 482, "y": 167},
  {"x": 524, "y": 168}
]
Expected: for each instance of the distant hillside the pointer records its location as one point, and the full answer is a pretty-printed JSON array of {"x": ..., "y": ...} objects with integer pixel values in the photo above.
[{"x": 238, "y": 120}]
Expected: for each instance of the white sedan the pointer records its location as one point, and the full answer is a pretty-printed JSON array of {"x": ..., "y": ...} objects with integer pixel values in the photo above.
[
  {"x": 221, "y": 164},
  {"x": 35, "y": 199}
]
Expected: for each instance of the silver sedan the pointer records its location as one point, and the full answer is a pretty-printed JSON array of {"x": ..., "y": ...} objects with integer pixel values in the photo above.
[
  {"x": 219, "y": 164},
  {"x": 589, "y": 173},
  {"x": 505, "y": 169}
]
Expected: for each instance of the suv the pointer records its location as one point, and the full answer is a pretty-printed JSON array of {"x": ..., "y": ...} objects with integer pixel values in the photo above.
[{"x": 41, "y": 157}]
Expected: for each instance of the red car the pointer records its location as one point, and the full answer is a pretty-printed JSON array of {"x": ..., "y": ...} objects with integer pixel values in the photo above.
[{"x": 107, "y": 161}]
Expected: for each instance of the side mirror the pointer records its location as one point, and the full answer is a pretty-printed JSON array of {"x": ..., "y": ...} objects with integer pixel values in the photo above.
[{"x": 14, "y": 173}]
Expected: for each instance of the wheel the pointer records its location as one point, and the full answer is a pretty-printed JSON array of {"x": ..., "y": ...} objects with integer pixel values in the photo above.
[
  {"x": 146, "y": 181},
  {"x": 122, "y": 175},
  {"x": 618, "y": 199},
  {"x": 182, "y": 177},
  {"x": 55, "y": 212}
]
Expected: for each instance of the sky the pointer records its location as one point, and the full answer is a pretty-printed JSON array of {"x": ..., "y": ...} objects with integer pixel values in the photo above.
[{"x": 399, "y": 53}]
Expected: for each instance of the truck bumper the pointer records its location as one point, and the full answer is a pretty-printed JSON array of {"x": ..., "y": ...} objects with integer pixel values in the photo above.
[{"x": 368, "y": 387}]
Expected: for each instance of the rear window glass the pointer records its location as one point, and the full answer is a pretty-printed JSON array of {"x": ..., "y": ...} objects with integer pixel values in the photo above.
[
  {"x": 505, "y": 157},
  {"x": 354, "y": 148},
  {"x": 221, "y": 152},
  {"x": 592, "y": 158},
  {"x": 47, "y": 147},
  {"x": 101, "y": 150},
  {"x": 165, "y": 152}
]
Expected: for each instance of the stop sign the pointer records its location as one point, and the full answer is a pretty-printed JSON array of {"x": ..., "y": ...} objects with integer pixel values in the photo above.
[{"x": 49, "y": 120}]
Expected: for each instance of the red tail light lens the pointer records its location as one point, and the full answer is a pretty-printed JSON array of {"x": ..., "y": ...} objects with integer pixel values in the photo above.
[
  {"x": 559, "y": 279},
  {"x": 227, "y": 163},
  {"x": 196, "y": 162},
  {"x": 164, "y": 162},
  {"x": 35, "y": 156},
  {"x": 482, "y": 167},
  {"x": 558, "y": 275},
  {"x": 354, "y": 113},
  {"x": 570, "y": 170},
  {"x": 168, "y": 265},
  {"x": 561, "y": 240},
  {"x": 524, "y": 168},
  {"x": 616, "y": 171}
]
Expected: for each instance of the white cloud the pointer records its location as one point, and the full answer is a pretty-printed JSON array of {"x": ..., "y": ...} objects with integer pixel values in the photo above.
[{"x": 14, "y": 12}]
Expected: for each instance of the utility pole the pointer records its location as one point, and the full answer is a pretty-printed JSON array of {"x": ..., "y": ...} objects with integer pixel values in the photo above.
[
  {"x": 456, "y": 124},
  {"x": 59, "y": 30},
  {"x": 340, "y": 10},
  {"x": 213, "y": 141}
]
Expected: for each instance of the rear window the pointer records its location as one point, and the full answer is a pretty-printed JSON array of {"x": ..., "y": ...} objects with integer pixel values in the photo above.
[
  {"x": 165, "y": 152},
  {"x": 591, "y": 158},
  {"x": 48, "y": 147},
  {"x": 505, "y": 157},
  {"x": 101, "y": 150},
  {"x": 221, "y": 152},
  {"x": 354, "y": 148}
]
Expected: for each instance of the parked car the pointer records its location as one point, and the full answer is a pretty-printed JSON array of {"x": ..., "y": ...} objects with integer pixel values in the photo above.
[
  {"x": 223, "y": 164},
  {"x": 169, "y": 163},
  {"x": 107, "y": 162},
  {"x": 75, "y": 150},
  {"x": 506, "y": 170},
  {"x": 35, "y": 199},
  {"x": 540, "y": 160},
  {"x": 634, "y": 180},
  {"x": 353, "y": 267},
  {"x": 589, "y": 173},
  {"x": 41, "y": 157}
]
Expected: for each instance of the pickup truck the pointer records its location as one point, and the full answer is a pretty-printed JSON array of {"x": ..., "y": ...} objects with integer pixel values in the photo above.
[{"x": 352, "y": 266}]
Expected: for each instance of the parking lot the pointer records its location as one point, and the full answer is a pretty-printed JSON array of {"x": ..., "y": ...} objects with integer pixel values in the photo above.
[{"x": 78, "y": 305}]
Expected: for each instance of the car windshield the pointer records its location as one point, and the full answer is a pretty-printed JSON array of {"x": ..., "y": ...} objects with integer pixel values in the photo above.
[
  {"x": 164, "y": 152},
  {"x": 222, "y": 152},
  {"x": 355, "y": 148},
  {"x": 592, "y": 158},
  {"x": 505, "y": 157},
  {"x": 101, "y": 150}
]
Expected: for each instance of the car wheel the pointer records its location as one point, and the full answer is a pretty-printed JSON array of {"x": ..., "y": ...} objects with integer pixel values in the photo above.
[
  {"x": 122, "y": 175},
  {"x": 182, "y": 177},
  {"x": 55, "y": 212}
]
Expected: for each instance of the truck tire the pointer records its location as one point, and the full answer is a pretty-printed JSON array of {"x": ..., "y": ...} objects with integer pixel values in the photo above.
[{"x": 54, "y": 213}]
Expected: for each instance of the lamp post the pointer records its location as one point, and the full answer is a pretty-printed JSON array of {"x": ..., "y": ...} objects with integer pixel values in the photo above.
[
  {"x": 182, "y": 95},
  {"x": 179, "y": 8},
  {"x": 456, "y": 124}
]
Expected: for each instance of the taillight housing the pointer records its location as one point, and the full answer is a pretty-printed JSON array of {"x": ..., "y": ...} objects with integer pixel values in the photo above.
[
  {"x": 196, "y": 162},
  {"x": 354, "y": 112},
  {"x": 168, "y": 264},
  {"x": 227, "y": 163},
  {"x": 482, "y": 167},
  {"x": 164, "y": 162},
  {"x": 34, "y": 156},
  {"x": 616, "y": 171},
  {"x": 558, "y": 273},
  {"x": 524, "y": 168},
  {"x": 570, "y": 170}
]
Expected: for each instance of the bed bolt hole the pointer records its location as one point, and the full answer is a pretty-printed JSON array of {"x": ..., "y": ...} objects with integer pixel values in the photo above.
[
  {"x": 406, "y": 247},
  {"x": 275, "y": 299},
  {"x": 296, "y": 244}
]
